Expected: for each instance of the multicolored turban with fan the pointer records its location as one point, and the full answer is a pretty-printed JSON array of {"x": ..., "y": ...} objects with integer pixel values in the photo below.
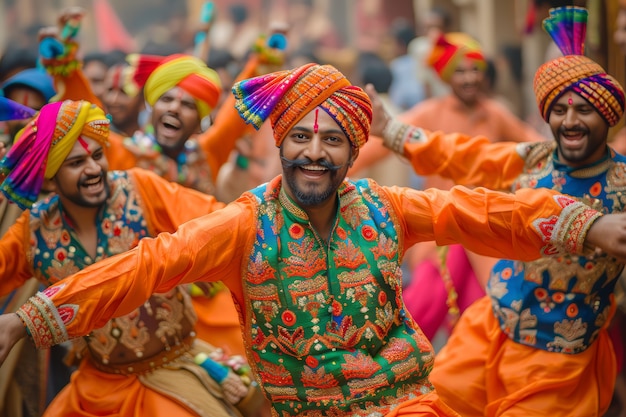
[
  {"x": 573, "y": 71},
  {"x": 42, "y": 146},
  {"x": 161, "y": 74},
  {"x": 450, "y": 49},
  {"x": 287, "y": 96}
]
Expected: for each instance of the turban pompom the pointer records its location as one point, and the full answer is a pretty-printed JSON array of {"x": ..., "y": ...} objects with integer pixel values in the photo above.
[
  {"x": 42, "y": 146},
  {"x": 574, "y": 71},
  {"x": 285, "y": 97}
]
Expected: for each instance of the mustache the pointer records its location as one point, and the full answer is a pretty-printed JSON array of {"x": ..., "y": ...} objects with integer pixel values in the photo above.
[
  {"x": 573, "y": 129},
  {"x": 298, "y": 163}
]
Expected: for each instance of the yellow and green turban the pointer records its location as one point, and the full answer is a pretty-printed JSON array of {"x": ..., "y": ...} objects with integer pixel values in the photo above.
[
  {"x": 287, "y": 96},
  {"x": 573, "y": 71},
  {"x": 188, "y": 73},
  {"x": 42, "y": 146},
  {"x": 450, "y": 49}
]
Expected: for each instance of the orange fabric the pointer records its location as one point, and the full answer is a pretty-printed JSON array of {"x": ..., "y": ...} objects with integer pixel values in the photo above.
[
  {"x": 424, "y": 406},
  {"x": 490, "y": 119},
  {"x": 216, "y": 247},
  {"x": 93, "y": 393},
  {"x": 487, "y": 374},
  {"x": 218, "y": 322}
]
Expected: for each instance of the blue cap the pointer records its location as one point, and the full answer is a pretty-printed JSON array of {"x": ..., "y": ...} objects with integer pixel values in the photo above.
[{"x": 34, "y": 78}]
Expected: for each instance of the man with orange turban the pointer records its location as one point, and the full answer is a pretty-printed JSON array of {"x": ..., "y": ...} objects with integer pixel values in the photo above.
[
  {"x": 142, "y": 362},
  {"x": 313, "y": 259},
  {"x": 537, "y": 343}
]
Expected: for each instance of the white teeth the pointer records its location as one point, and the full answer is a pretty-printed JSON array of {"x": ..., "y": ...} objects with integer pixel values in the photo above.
[
  {"x": 314, "y": 168},
  {"x": 92, "y": 182}
]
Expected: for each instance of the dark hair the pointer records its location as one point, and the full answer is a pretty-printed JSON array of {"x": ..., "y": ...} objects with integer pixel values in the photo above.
[
  {"x": 374, "y": 70},
  {"x": 16, "y": 59}
]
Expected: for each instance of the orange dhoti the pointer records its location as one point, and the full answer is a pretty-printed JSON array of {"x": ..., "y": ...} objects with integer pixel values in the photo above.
[{"x": 481, "y": 372}]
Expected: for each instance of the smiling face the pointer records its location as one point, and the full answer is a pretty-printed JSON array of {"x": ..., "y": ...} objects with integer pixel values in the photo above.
[
  {"x": 82, "y": 179},
  {"x": 467, "y": 81},
  {"x": 124, "y": 109},
  {"x": 316, "y": 156},
  {"x": 175, "y": 118},
  {"x": 579, "y": 130}
]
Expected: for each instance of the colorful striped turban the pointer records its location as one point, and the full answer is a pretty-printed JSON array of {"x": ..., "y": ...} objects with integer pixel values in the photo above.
[
  {"x": 287, "y": 96},
  {"x": 188, "y": 73},
  {"x": 449, "y": 51},
  {"x": 42, "y": 146},
  {"x": 574, "y": 71}
]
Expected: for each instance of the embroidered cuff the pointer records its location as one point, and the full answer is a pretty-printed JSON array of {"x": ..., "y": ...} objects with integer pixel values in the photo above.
[
  {"x": 396, "y": 134},
  {"x": 43, "y": 322},
  {"x": 572, "y": 227}
]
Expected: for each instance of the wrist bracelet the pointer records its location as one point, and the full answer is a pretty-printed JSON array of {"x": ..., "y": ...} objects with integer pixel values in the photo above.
[{"x": 396, "y": 134}]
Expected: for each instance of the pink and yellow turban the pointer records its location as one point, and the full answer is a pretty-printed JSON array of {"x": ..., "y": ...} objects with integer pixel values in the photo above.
[
  {"x": 186, "y": 72},
  {"x": 42, "y": 146},
  {"x": 450, "y": 49},
  {"x": 574, "y": 71},
  {"x": 287, "y": 96}
]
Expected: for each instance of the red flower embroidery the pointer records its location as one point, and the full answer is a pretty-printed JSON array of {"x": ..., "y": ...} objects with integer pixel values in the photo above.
[
  {"x": 66, "y": 313},
  {"x": 312, "y": 362},
  {"x": 382, "y": 298},
  {"x": 368, "y": 233},
  {"x": 296, "y": 231},
  {"x": 288, "y": 318},
  {"x": 65, "y": 238},
  {"x": 595, "y": 189},
  {"x": 341, "y": 233},
  {"x": 558, "y": 297},
  {"x": 541, "y": 293},
  {"x": 337, "y": 309},
  {"x": 60, "y": 254},
  {"x": 51, "y": 291},
  {"x": 117, "y": 231},
  {"x": 572, "y": 311},
  {"x": 507, "y": 273}
]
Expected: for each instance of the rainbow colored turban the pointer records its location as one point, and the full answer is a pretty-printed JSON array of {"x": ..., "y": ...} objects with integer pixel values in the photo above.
[
  {"x": 450, "y": 49},
  {"x": 42, "y": 146},
  {"x": 575, "y": 72},
  {"x": 186, "y": 72},
  {"x": 287, "y": 96}
]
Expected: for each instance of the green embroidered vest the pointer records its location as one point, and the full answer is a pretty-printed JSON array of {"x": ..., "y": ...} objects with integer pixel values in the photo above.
[{"x": 330, "y": 335}]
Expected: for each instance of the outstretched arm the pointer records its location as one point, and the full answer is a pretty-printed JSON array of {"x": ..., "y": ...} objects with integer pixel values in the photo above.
[{"x": 12, "y": 331}]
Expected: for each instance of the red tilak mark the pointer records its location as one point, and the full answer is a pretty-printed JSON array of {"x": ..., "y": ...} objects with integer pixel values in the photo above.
[
  {"x": 25, "y": 101},
  {"x": 570, "y": 101},
  {"x": 117, "y": 78},
  {"x": 315, "y": 125},
  {"x": 84, "y": 145}
]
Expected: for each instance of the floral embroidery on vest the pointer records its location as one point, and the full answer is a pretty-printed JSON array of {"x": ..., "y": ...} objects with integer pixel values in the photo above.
[
  {"x": 164, "y": 320},
  {"x": 559, "y": 304},
  {"x": 329, "y": 329}
]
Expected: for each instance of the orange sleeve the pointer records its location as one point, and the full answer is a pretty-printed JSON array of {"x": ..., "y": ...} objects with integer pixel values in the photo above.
[
  {"x": 491, "y": 223},
  {"x": 118, "y": 157},
  {"x": 219, "y": 140},
  {"x": 75, "y": 87},
  {"x": 466, "y": 160},
  {"x": 213, "y": 247},
  {"x": 166, "y": 204},
  {"x": 15, "y": 267}
]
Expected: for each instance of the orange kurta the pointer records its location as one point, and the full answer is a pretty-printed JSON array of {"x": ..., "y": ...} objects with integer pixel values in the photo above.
[{"x": 217, "y": 247}]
